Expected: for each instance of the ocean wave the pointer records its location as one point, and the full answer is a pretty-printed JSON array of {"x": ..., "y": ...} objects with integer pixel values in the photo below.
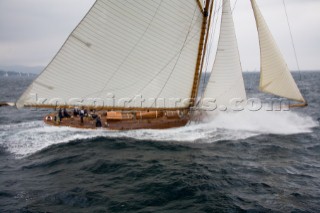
[{"x": 27, "y": 138}]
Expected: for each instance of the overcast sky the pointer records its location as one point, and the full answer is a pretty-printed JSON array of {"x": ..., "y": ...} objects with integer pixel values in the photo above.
[{"x": 32, "y": 31}]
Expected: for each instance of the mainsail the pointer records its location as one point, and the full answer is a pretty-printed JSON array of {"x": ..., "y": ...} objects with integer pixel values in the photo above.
[
  {"x": 124, "y": 50},
  {"x": 275, "y": 75},
  {"x": 226, "y": 81}
]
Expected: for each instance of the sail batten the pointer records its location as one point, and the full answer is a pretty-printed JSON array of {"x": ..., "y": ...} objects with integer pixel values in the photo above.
[
  {"x": 275, "y": 77},
  {"x": 125, "y": 49},
  {"x": 226, "y": 80}
]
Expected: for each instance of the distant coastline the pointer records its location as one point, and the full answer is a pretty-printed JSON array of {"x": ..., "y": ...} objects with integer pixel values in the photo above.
[
  {"x": 36, "y": 70},
  {"x": 16, "y": 74},
  {"x": 22, "y": 69}
]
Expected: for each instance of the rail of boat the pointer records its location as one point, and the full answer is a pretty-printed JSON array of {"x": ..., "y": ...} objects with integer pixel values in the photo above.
[{"x": 116, "y": 120}]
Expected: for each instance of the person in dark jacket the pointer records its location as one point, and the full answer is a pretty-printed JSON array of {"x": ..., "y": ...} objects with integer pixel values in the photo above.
[
  {"x": 81, "y": 115},
  {"x": 98, "y": 122},
  {"x": 60, "y": 114},
  {"x": 66, "y": 114},
  {"x": 75, "y": 112}
]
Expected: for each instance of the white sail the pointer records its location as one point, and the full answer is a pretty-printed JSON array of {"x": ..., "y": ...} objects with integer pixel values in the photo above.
[
  {"x": 226, "y": 84},
  {"x": 121, "y": 50},
  {"x": 275, "y": 75}
]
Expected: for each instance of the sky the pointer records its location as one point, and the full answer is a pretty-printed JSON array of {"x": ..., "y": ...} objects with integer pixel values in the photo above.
[{"x": 32, "y": 31}]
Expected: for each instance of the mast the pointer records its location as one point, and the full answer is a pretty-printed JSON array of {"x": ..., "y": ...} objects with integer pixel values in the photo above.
[
  {"x": 200, "y": 4},
  {"x": 207, "y": 13}
]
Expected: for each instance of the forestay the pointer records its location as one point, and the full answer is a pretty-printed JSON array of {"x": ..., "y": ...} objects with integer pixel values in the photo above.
[
  {"x": 275, "y": 75},
  {"x": 226, "y": 84},
  {"x": 123, "y": 50}
]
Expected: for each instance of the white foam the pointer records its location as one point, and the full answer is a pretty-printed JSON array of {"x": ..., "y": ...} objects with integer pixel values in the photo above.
[
  {"x": 27, "y": 138},
  {"x": 269, "y": 122}
]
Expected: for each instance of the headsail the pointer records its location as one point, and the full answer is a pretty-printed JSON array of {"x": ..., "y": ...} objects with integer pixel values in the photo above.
[
  {"x": 275, "y": 75},
  {"x": 122, "y": 50},
  {"x": 226, "y": 81}
]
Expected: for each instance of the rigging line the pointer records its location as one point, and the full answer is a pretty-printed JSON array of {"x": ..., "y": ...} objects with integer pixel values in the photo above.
[
  {"x": 205, "y": 78},
  {"x": 205, "y": 37},
  {"x": 217, "y": 11},
  {"x": 209, "y": 44},
  {"x": 172, "y": 59},
  {"x": 234, "y": 6},
  {"x": 216, "y": 24},
  {"x": 292, "y": 40},
  {"x": 175, "y": 65},
  {"x": 131, "y": 51},
  {"x": 22, "y": 98},
  {"x": 212, "y": 40},
  {"x": 157, "y": 74},
  {"x": 207, "y": 59}
]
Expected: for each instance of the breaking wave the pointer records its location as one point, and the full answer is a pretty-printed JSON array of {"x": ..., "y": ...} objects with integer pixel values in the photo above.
[{"x": 27, "y": 138}]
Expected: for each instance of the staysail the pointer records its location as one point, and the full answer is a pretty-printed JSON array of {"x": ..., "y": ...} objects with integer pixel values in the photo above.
[
  {"x": 226, "y": 81},
  {"x": 275, "y": 75},
  {"x": 122, "y": 51}
]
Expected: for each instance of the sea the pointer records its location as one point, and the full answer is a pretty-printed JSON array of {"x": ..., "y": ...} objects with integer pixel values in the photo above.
[{"x": 246, "y": 161}]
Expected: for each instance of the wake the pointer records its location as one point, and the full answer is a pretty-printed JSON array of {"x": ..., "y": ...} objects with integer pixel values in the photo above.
[{"x": 27, "y": 138}]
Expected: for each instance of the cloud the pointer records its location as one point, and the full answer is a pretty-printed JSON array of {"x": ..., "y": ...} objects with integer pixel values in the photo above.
[{"x": 32, "y": 31}]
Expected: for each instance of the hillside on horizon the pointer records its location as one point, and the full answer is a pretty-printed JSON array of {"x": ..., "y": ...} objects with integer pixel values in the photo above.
[{"x": 22, "y": 69}]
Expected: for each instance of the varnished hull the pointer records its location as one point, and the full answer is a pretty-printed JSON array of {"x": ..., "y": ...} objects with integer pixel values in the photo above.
[{"x": 162, "y": 122}]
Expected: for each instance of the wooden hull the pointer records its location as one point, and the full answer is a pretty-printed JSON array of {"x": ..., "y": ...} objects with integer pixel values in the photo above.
[{"x": 123, "y": 121}]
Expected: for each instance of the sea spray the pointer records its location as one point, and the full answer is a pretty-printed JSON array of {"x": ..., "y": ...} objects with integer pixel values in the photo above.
[{"x": 27, "y": 138}]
